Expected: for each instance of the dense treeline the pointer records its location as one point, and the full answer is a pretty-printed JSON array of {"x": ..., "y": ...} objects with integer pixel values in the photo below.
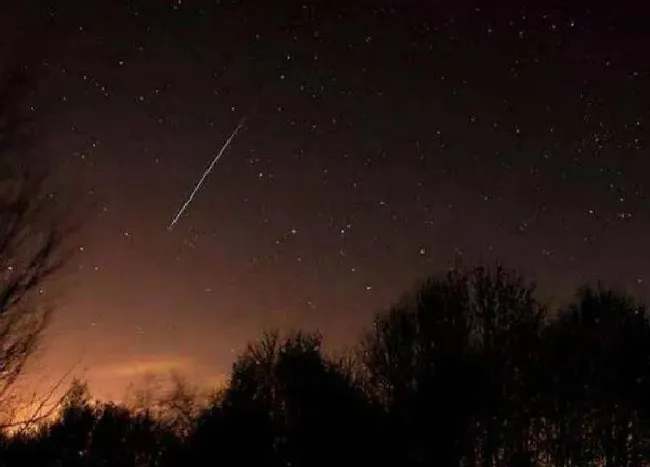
[{"x": 469, "y": 369}]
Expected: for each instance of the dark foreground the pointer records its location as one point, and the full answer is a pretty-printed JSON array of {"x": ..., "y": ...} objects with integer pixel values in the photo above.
[{"x": 470, "y": 369}]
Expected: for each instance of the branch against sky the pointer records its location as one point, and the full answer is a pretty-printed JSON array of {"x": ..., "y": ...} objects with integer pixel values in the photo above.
[{"x": 32, "y": 230}]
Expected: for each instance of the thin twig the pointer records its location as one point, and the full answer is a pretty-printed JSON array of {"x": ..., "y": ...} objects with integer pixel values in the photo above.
[{"x": 37, "y": 416}]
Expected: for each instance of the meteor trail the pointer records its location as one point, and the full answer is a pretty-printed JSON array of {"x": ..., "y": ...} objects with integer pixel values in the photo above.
[{"x": 206, "y": 173}]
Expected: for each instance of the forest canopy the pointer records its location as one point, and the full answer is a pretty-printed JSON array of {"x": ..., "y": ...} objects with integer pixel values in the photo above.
[{"x": 468, "y": 369}]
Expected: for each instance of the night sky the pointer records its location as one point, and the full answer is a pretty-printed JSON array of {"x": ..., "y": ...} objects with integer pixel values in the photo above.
[{"x": 384, "y": 141}]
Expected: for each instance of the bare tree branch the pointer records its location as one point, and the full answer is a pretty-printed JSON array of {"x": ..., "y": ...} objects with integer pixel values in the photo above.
[
  {"x": 31, "y": 230},
  {"x": 38, "y": 414}
]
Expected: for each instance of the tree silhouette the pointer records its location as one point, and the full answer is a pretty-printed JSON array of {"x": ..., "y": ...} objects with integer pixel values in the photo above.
[
  {"x": 467, "y": 370},
  {"x": 238, "y": 427},
  {"x": 597, "y": 361},
  {"x": 180, "y": 405},
  {"x": 31, "y": 231},
  {"x": 447, "y": 362},
  {"x": 30, "y": 252},
  {"x": 67, "y": 440},
  {"x": 287, "y": 404}
]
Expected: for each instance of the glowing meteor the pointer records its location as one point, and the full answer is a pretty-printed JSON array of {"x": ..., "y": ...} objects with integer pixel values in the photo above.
[{"x": 206, "y": 173}]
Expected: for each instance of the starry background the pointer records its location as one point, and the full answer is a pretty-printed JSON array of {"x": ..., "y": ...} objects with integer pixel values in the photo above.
[{"x": 385, "y": 141}]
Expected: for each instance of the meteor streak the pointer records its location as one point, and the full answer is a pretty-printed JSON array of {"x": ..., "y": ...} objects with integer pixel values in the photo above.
[{"x": 206, "y": 173}]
